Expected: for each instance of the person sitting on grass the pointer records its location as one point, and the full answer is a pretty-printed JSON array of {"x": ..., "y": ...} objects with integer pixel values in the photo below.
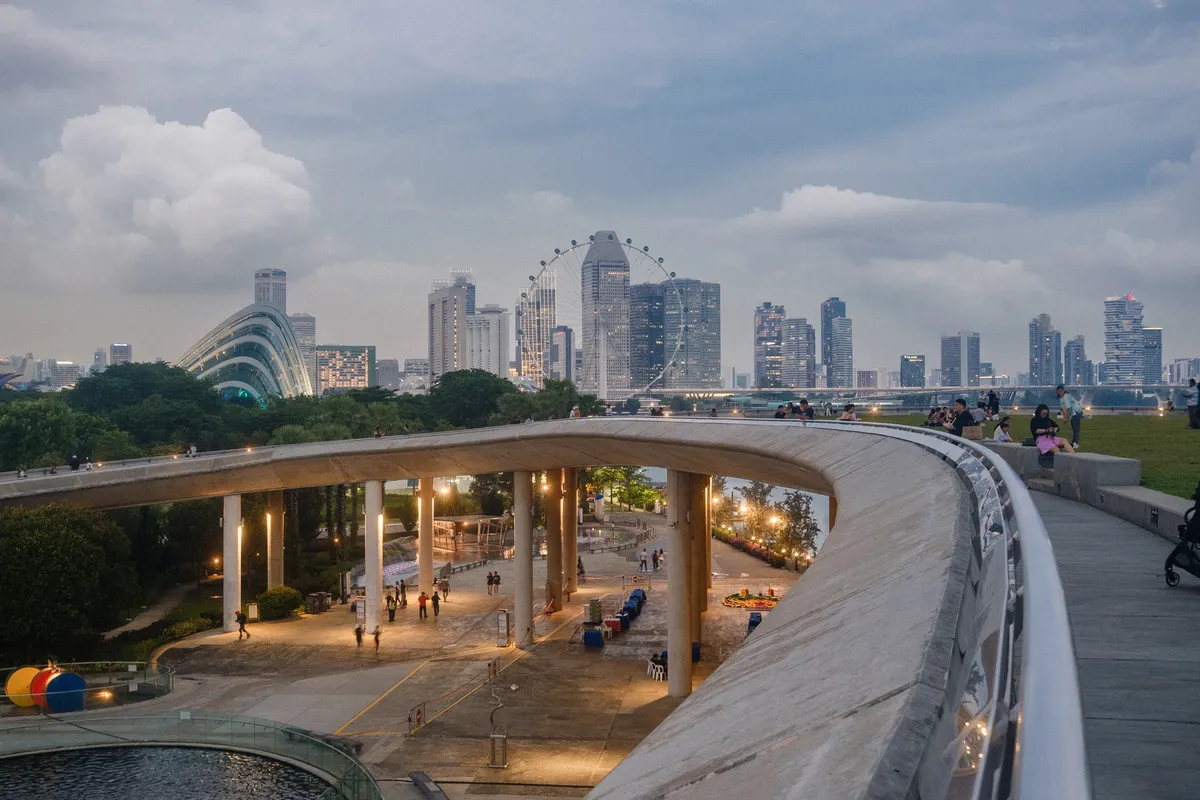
[
  {"x": 848, "y": 414},
  {"x": 1001, "y": 434},
  {"x": 962, "y": 418},
  {"x": 1045, "y": 433}
]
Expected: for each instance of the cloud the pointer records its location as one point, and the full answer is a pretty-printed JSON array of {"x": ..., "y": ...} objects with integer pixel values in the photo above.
[
  {"x": 166, "y": 205},
  {"x": 814, "y": 208},
  {"x": 543, "y": 203},
  {"x": 35, "y": 57}
]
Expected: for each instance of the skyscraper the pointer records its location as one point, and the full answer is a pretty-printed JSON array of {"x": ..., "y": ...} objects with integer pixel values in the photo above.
[
  {"x": 1152, "y": 356},
  {"x": 270, "y": 287},
  {"x": 64, "y": 374},
  {"x": 798, "y": 367},
  {"x": 960, "y": 359},
  {"x": 1124, "y": 348},
  {"x": 912, "y": 371},
  {"x": 486, "y": 340},
  {"x": 447, "y": 320},
  {"x": 387, "y": 373},
  {"x": 305, "y": 327},
  {"x": 841, "y": 365},
  {"x": 1045, "y": 352},
  {"x": 416, "y": 367},
  {"x": 537, "y": 317},
  {"x": 120, "y": 353},
  {"x": 341, "y": 367},
  {"x": 768, "y": 346},
  {"x": 605, "y": 319},
  {"x": 1077, "y": 369},
  {"x": 866, "y": 378},
  {"x": 99, "y": 360},
  {"x": 466, "y": 279},
  {"x": 647, "y": 335},
  {"x": 562, "y": 354},
  {"x": 691, "y": 326},
  {"x": 830, "y": 310}
]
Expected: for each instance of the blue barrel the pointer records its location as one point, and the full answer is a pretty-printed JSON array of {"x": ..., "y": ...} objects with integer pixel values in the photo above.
[
  {"x": 755, "y": 621},
  {"x": 695, "y": 652},
  {"x": 64, "y": 693}
]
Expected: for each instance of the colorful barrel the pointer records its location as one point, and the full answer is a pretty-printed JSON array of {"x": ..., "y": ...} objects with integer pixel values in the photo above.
[
  {"x": 17, "y": 687},
  {"x": 64, "y": 692},
  {"x": 37, "y": 686}
]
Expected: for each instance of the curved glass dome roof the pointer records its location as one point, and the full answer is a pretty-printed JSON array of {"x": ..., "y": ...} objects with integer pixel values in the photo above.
[{"x": 252, "y": 353}]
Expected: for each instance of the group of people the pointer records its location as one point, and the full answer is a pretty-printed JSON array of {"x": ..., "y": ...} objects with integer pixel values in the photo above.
[
  {"x": 801, "y": 411},
  {"x": 493, "y": 583},
  {"x": 399, "y": 599},
  {"x": 647, "y": 559}
]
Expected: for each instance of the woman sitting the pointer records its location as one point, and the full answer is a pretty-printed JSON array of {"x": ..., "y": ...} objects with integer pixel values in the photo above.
[
  {"x": 1001, "y": 434},
  {"x": 934, "y": 420},
  {"x": 848, "y": 414},
  {"x": 1045, "y": 433}
]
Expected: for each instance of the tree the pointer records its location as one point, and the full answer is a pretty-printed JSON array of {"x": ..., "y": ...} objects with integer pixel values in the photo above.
[
  {"x": 756, "y": 501},
  {"x": 66, "y": 575},
  {"x": 46, "y": 433},
  {"x": 493, "y": 492},
  {"x": 468, "y": 398},
  {"x": 800, "y": 529}
]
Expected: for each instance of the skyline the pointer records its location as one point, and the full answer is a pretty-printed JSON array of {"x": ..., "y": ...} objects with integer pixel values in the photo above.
[{"x": 370, "y": 152}]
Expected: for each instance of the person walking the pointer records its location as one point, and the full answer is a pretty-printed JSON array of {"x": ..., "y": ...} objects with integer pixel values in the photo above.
[
  {"x": 403, "y": 594},
  {"x": 376, "y": 640},
  {"x": 437, "y": 606},
  {"x": 21, "y": 472},
  {"x": 1070, "y": 409},
  {"x": 422, "y": 599},
  {"x": 496, "y": 582},
  {"x": 662, "y": 557},
  {"x": 391, "y": 607},
  {"x": 446, "y": 589},
  {"x": 654, "y": 560},
  {"x": 993, "y": 401},
  {"x": 491, "y": 580},
  {"x": 240, "y": 618},
  {"x": 1191, "y": 398},
  {"x": 358, "y": 636}
]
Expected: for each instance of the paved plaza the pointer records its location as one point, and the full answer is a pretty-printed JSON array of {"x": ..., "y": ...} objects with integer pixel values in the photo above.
[{"x": 574, "y": 714}]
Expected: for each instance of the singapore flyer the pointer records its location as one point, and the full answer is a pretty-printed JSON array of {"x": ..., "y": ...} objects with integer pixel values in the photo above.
[{"x": 606, "y": 313}]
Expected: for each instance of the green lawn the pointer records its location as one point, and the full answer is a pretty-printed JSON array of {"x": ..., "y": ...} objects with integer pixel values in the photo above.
[
  {"x": 1169, "y": 452},
  {"x": 205, "y": 597}
]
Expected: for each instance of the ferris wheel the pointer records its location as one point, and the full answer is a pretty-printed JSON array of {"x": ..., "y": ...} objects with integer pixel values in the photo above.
[{"x": 611, "y": 303}]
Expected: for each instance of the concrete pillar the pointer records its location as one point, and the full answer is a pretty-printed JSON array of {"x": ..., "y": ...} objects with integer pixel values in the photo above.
[
  {"x": 554, "y": 543},
  {"x": 832, "y": 511},
  {"x": 570, "y": 534},
  {"x": 679, "y": 634},
  {"x": 600, "y": 509},
  {"x": 523, "y": 558},
  {"x": 425, "y": 535},
  {"x": 700, "y": 506},
  {"x": 708, "y": 539},
  {"x": 373, "y": 546},
  {"x": 274, "y": 539},
  {"x": 231, "y": 566}
]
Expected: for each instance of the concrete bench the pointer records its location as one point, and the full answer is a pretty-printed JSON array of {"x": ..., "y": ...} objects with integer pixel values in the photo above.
[
  {"x": 1077, "y": 476},
  {"x": 1154, "y": 511}
]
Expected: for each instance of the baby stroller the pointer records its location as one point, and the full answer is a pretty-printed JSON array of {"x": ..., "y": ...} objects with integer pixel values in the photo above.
[{"x": 1186, "y": 554}]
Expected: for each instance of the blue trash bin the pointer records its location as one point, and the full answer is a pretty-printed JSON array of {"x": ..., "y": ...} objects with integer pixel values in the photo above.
[
  {"x": 755, "y": 621},
  {"x": 593, "y": 638},
  {"x": 695, "y": 652},
  {"x": 624, "y": 617}
]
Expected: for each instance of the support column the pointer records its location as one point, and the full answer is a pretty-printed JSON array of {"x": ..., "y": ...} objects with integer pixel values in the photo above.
[
  {"x": 832, "y": 511},
  {"x": 373, "y": 555},
  {"x": 274, "y": 539},
  {"x": 700, "y": 504},
  {"x": 554, "y": 544},
  {"x": 679, "y": 634},
  {"x": 570, "y": 510},
  {"x": 425, "y": 535},
  {"x": 231, "y": 564},
  {"x": 523, "y": 558},
  {"x": 708, "y": 539}
]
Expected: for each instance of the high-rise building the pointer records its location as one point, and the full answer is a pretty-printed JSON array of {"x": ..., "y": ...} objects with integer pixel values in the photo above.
[
  {"x": 341, "y": 367},
  {"x": 99, "y": 361},
  {"x": 447, "y": 329},
  {"x": 270, "y": 287},
  {"x": 1045, "y": 352},
  {"x": 1152, "y": 356},
  {"x": 692, "y": 331},
  {"x": 935, "y": 377},
  {"x": 912, "y": 371},
  {"x": 562, "y": 354},
  {"x": 537, "y": 317},
  {"x": 841, "y": 364},
  {"x": 486, "y": 340},
  {"x": 1077, "y": 369},
  {"x": 768, "y": 346},
  {"x": 305, "y": 327},
  {"x": 466, "y": 279},
  {"x": 866, "y": 378},
  {"x": 960, "y": 359},
  {"x": 416, "y": 367},
  {"x": 120, "y": 353},
  {"x": 798, "y": 347},
  {"x": 605, "y": 319},
  {"x": 387, "y": 373},
  {"x": 64, "y": 374},
  {"x": 647, "y": 335},
  {"x": 831, "y": 309},
  {"x": 741, "y": 380},
  {"x": 1124, "y": 348},
  {"x": 1183, "y": 368}
]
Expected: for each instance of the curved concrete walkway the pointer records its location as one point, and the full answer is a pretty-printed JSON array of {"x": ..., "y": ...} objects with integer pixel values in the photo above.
[{"x": 1137, "y": 643}]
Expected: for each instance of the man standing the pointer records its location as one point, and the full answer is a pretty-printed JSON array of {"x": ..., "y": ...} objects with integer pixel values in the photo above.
[
  {"x": 1072, "y": 410},
  {"x": 436, "y": 604},
  {"x": 391, "y": 607},
  {"x": 422, "y": 599},
  {"x": 993, "y": 401},
  {"x": 1191, "y": 398}
]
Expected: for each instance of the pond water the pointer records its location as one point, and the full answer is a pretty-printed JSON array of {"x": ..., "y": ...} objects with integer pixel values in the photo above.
[{"x": 154, "y": 773}]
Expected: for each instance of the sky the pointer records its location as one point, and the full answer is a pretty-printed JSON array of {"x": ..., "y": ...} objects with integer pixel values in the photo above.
[{"x": 940, "y": 166}]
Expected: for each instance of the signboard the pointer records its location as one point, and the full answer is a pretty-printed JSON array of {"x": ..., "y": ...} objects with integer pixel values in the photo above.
[
  {"x": 503, "y": 628},
  {"x": 252, "y": 612},
  {"x": 416, "y": 717},
  {"x": 360, "y": 610}
]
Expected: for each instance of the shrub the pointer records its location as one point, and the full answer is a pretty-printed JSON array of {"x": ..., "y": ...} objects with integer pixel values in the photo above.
[{"x": 279, "y": 602}]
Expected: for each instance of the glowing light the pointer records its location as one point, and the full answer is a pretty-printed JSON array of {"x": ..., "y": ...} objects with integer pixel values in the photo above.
[
  {"x": 216, "y": 560},
  {"x": 248, "y": 449},
  {"x": 174, "y": 458},
  {"x": 775, "y": 520},
  {"x": 105, "y": 695},
  {"x": 716, "y": 501},
  {"x": 445, "y": 490},
  {"x": 1087, "y": 408}
]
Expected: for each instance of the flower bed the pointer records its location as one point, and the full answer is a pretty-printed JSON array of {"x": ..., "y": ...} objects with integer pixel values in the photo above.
[
  {"x": 753, "y": 601},
  {"x": 759, "y": 551}
]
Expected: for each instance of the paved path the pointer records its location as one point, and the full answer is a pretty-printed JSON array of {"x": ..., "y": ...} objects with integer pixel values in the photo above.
[
  {"x": 165, "y": 605},
  {"x": 1137, "y": 643}
]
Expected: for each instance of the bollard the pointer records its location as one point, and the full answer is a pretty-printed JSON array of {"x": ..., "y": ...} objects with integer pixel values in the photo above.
[{"x": 499, "y": 758}]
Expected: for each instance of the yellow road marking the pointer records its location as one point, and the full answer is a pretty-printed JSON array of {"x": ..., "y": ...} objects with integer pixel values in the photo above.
[{"x": 376, "y": 701}]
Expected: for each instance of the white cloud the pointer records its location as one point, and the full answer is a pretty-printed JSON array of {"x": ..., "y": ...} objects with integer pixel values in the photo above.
[
  {"x": 817, "y": 207},
  {"x": 166, "y": 204},
  {"x": 543, "y": 203}
]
